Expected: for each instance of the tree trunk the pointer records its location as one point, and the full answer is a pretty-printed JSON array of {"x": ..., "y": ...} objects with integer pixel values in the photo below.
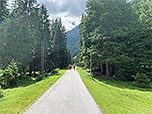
[
  {"x": 42, "y": 57},
  {"x": 107, "y": 70},
  {"x": 115, "y": 68},
  {"x": 54, "y": 58},
  {"x": 25, "y": 72},
  {"x": 34, "y": 72},
  {"x": 30, "y": 70},
  {"x": 57, "y": 56},
  {"x": 6, "y": 82},
  {"x": 101, "y": 68}
]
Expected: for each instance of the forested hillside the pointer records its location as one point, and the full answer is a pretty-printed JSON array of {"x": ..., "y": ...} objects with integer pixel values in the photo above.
[
  {"x": 29, "y": 41},
  {"x": 73, "y": 38},
  {"x": 116, "y": 39}
]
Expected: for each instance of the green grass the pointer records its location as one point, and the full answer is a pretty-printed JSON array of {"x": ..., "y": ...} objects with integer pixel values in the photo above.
[
  {"x": 17, "y": 100},
  {"x": 118, "y": 97}
]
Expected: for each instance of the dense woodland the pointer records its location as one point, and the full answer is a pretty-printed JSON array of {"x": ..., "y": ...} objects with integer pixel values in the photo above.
[
  {"x": 112, "y": 45},
  {"x": 29, "y": 41},
  {"x": 116, "y": 39}
]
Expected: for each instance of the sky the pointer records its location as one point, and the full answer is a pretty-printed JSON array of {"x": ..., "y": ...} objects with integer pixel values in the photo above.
[{"x": 70, "y": 11}]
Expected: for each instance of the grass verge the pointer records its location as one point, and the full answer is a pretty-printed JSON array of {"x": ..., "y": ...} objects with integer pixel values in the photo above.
[
  {"x": 118, "y": 97},
  {"x": 18, "y": 100}
]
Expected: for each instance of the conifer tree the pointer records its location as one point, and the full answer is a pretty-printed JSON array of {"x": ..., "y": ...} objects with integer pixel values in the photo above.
[
  {"x": 59, "y": 44},
  {"x": 115, "y": 34},
  {"x": 4, "y": 11}
]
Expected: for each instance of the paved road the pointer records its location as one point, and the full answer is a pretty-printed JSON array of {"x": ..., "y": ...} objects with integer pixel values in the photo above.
[{"x": 67, "y": 96}]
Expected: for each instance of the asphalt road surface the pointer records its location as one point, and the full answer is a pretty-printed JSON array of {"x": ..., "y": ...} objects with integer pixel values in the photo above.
[{"x": 67, "y": 96}]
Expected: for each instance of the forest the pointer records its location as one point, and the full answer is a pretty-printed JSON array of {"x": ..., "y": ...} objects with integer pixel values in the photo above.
[
  {"x": 116, "y": 39},
  {"x": 30, "y": 43},
  {"x": 109, "y": 54}
]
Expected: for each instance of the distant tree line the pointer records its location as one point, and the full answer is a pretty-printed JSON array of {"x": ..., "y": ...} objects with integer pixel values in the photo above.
[
  {"x": 118, "y": 37},
  {"x": 29, "y": 41}
]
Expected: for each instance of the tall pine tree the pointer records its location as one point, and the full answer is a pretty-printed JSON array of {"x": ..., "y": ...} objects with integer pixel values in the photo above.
[{"x": 4, "y": 11}]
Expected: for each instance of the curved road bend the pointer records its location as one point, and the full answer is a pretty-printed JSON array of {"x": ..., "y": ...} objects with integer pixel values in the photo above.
[{"x": 67, "y": 96}]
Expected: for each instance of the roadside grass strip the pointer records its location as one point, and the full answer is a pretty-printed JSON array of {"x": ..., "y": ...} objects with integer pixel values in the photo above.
[
  {"x": 118, "y": 97},
  {"x": 18, "y": 100}
]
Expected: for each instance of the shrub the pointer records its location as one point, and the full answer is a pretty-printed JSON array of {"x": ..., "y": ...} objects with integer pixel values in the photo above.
[
  {"x": 142, "y": 80},
  {"x": 1, "y": 94},
  {"x": 10, "y": 75},
  {"x": 1, "y": 76},
  {"x": 46, "y": 75},
  {"x": 56, "y": 70},
  {"x": 35, "y": 75},
  {"x": 40, "y": 77}
]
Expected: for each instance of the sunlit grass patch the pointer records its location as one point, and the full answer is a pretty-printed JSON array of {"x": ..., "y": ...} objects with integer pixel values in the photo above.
[
  {"x": 17, "y": 100},
  {"x": 118, "y": 97}
]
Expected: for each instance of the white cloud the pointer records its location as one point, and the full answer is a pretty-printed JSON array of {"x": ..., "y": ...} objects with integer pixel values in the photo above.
[
  {"x": 69, "y": 22},
  {"x": 69, "y": 11}
]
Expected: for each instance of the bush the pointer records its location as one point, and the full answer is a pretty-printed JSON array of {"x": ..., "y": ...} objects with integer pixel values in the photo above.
[
  {"x": 10, "y": 75},
  {"x": 35, "y": 75},
  {"x": 40, "y": 77},
  {"x": 142, "y": 80},
  {"x": 1, "y": 94},
  {"x": 46, "y": 75},
  {"x": 1, "y": 76},
  {"x": 56, "y": 70}
]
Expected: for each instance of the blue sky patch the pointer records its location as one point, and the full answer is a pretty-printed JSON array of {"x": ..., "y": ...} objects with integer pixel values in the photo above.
[{"x": 73, "y": 23}]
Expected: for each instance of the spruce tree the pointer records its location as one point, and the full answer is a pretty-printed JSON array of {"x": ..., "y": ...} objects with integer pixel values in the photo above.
[
  {"x": 4, "y": 11},
  {"x": 114, "y": 36}
]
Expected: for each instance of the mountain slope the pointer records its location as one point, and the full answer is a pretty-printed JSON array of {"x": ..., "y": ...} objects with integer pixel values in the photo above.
[{"x": 73, "y": 38}]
